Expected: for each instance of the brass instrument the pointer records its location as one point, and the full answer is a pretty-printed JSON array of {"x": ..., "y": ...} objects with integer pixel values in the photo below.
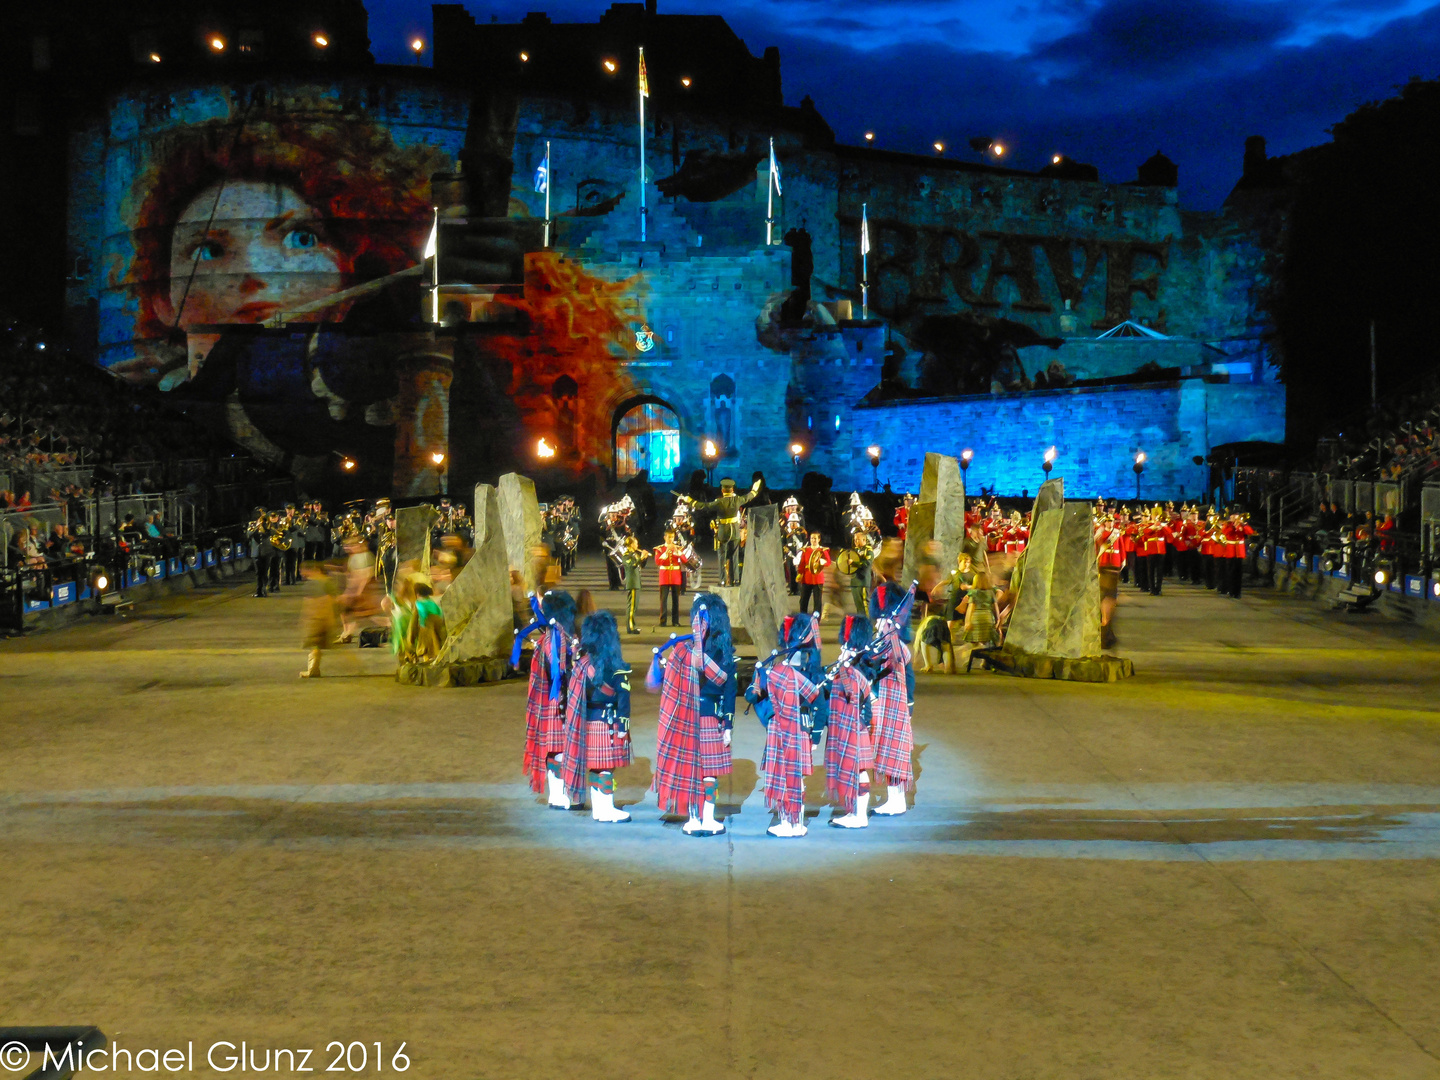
[{"x": 815, "y": 561}]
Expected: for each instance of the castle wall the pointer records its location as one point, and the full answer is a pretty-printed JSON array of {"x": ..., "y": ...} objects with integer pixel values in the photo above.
[{"x": 1096, "y": 433}]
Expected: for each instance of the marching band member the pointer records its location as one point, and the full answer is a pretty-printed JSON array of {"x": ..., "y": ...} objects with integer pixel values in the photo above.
[
  {"x": 545, "y": 700},
  {"x": 632, "y": 558},
  {"x": 692, "y": 745},
  {"x": 786, "y": 761},
  {"x": 597, "y": 719},
  {"x": 902, "y": 515},
  {"x": 813, "y": 560},
  {"x": 849, "y": 756},
  {"x": 670, "y": 562},
  {"x": 895, "y": 695},
  {"x": 1234, "y": 533}
]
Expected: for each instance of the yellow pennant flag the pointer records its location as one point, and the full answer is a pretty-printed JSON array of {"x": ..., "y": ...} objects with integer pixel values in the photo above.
[{"x": 644, "y": 81}]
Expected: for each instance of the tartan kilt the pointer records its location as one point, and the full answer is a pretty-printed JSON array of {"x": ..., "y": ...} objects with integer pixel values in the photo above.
[
  {"x": 894, "y": 739},
  {"x": 714, "y": 754},
  {"x": 679, "y": 782},
  {"x": 847, "y": 753},
  {"x": 603, "y": 750},
  {"x": 544, "y": 733},
  {"x": 786, "y": 763}
]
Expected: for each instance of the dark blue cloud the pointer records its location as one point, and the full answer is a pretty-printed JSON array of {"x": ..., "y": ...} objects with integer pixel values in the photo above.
[{"x": 1106, "y": 81}]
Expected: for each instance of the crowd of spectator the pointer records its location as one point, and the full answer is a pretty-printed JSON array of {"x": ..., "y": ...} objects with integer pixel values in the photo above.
[
  {"x": 58, "y": 412},
  {"x": 1400, "y": 441}
]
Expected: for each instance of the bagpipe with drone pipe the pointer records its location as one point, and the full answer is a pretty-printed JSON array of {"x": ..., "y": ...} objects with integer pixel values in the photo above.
[{"x": 557, "y": 656}]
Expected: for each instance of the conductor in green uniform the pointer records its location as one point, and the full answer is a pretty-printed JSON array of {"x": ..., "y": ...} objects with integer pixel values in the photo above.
[{"x": 727, "y": 525}]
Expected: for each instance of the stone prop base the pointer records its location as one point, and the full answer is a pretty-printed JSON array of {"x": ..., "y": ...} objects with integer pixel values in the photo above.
[
  {"x": 457, "y": 673},
  {"x": 1031, "y": 666}
]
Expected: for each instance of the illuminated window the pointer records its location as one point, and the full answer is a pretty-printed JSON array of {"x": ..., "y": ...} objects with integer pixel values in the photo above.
[{"x": 648, "y": 438}]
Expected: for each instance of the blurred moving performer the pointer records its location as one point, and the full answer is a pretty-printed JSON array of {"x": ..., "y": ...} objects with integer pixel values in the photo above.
[
  {"x": 727, "y": 526},
  {"x": 545, "y": 701},
  {"x": 318, "y": 618},
  {"x": 597, "y": 719},
  {"x": 692, "y": 745}
]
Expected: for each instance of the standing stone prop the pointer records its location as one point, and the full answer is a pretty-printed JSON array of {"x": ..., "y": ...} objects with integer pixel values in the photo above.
[
  {"x": 520, "y": 518},
  {"x": 477, "y": 604},
  {"x": 919, "y": 531},
  {"x": 1054, "y": 630},
  {"x": 942, "y": 483},
  {"x": 763, "y": 599},
  {"x": 412, "y": 536}
]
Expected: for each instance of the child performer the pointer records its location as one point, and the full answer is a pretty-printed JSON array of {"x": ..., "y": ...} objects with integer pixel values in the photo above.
[
  {"x": 692, "y": 748},
  {"x": 894, "y": 738},
  {"x": 597, "y": 719},
  {"x": 545, "y": 703},
  {"x": 849, "y": 757},
  {"x": 786, "y": 761}
]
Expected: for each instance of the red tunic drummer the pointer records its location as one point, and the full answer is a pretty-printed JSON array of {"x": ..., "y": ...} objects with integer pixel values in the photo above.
[
  {"x": 545, "y": 699},
  {"x": 670, "y": 562}
]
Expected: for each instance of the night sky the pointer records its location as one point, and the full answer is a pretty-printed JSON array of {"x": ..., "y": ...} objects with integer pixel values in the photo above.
[{"x": 1104, "y": 81}]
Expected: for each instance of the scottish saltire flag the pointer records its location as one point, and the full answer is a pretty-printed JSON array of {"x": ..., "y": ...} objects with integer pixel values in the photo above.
[
  {"x": 864, "y": 232},
  {"x": 542, "y": 175},
  {"x": 644, "y": 80},
  {"x": 774, "y": 169}
]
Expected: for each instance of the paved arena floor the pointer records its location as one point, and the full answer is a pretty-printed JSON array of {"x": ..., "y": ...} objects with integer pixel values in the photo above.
[{"x": 1228, "y": 866}]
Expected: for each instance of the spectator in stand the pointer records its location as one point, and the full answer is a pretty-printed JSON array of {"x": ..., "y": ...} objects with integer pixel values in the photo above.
[
  {"x": 23, "y": 503},
  {"x": 1385, "y": 535}
]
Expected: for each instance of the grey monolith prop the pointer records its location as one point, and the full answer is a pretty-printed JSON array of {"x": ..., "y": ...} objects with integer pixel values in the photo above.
[
  {"x": 520, "y": 518},
  {"x": 764, "y": 600},
  {"x": 943, "y": 483},
  {"x": 477, "y": 606},
  {"x": 412, "y": 535},
  {"x": 919, "y": 531},
  {"x": 1054, "y": 629}
]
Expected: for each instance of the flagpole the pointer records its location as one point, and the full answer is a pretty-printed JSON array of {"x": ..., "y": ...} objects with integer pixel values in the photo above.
[
  {"x": 770, "y": 197},
  {"x": 864, "y": 264},
  {"x": 435, "y": 273},
  {"x": 642, "y": 143},
  {"x": 548, "y": 185}
]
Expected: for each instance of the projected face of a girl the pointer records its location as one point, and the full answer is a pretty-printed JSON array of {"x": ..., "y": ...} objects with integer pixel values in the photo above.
[{"x": 265, "y": 251}]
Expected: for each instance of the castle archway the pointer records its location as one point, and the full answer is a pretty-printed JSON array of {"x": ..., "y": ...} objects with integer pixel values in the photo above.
[{"x": 646, "y": 437}]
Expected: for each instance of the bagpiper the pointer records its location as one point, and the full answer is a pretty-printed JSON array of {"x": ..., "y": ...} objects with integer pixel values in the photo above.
[
  {"x": 849, "y": 754},
  {"x": 597, "y": 719},
  {"x": 545, "y": 699},
  {"x": 693, "y": 675},
  {"x": 894, "y": 698},
  {"x": 782, "y": 685}
]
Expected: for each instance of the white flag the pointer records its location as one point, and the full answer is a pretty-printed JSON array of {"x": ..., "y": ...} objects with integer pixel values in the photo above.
[
  {"x": 864, "y": 232},
  {"x": 542, "y": 175},
  {"x": 774, "y": 169},
  {"x": 432, "y": 245}
]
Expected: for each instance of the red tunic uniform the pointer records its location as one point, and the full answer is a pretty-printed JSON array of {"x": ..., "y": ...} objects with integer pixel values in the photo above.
[
  {"x": 688, "y": 746},
  {"x": 817, "y": 575},
  {"x": 902, "y": 519},
  {"x": 670, "y": 565}
]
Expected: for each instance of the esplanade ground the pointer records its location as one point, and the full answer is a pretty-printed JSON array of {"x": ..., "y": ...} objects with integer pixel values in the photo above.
[{"x": 1227, "y": 866}]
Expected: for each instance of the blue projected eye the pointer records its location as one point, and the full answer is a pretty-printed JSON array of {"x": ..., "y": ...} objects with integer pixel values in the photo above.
[
  {"x": 207, "y": 250},
  {"x": 300, "y": 239}
]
